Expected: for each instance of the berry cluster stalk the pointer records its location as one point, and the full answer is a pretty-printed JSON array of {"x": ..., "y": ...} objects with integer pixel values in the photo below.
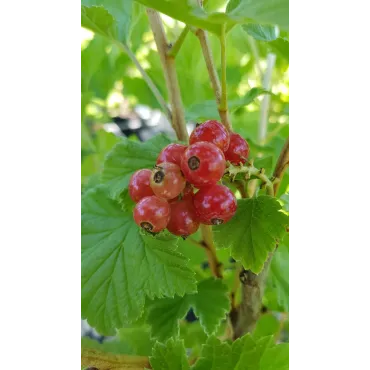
[{"x": 167, "y": 56}]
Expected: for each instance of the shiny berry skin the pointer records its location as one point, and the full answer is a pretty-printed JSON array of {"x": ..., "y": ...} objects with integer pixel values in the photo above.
[
  {"x": 172, "y": 153},
  {"x": 183, "y": 221},
  {"x": 167, "y": 180},
  {"x": 187, "y": 193},
  {"x": 139, "y": 185},
  {"x": 152, "y": 214},
  {"x": 214, "y": 205},
  {"x": 212, "y": 132},
  {"x": 238, "y": 150},
  {"x": 203, "y": 164}
]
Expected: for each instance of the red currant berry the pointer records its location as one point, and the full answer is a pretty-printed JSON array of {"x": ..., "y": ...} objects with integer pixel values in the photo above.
[
  {"x": 183, "y": 221},
  {"x": 203, "y": 164},
  {"x": 238, "y": 150},
  {"x": 167, "y": 180},
  {"x": 187, "y": 193},
  {"x": 152, "y": 214},
  {"x": 213, "y": 132},
  {"x": 172, "y": 153},
  {"x": 139, "y": 185},
  {"x": 214, "y": 205}
]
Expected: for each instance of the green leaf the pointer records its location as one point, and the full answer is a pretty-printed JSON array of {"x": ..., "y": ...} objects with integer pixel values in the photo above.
[
  {"x": 253, "y": 232},
  {"x": 211, "y": 304},
  {"x": 267, "y": 324},
  {"x": 281, "y": 47},
  {"x": 127, "y": 157},
  {"x": 119, "y": 22},
  {"x": 277, "y": 288},
  {"x": 137, "y": 339},
  {"x": 242, "y": 11},
  {"x": 261, "y": 11},
  {"x": 169, "y": 356},
  {"x": 121, "y": 265},
  {"x": 266, "y": 163},
  {"x": 262, "y": 32},
  {"x": 164, "y": 315},
  {"x": 276, "y": 358},
  {"x": 208, "y": 109},
  {"x": 216, "y": 355},
  {"x": 98, "y": 20},
  {"x": 243, "y": 354}
]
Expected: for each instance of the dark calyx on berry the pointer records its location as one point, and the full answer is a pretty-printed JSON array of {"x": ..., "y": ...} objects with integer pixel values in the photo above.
[
  {"x": 216, "y": 221},
  {"x": 147, "y": 226},
  {"x": 193, "y": 163},
  {"x": 158, "y": 176}
]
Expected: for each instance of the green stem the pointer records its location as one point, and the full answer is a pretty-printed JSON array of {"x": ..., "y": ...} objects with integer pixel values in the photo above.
[
  {"x": 250, "y": 171},
  {"x": 178, "y": 43}
]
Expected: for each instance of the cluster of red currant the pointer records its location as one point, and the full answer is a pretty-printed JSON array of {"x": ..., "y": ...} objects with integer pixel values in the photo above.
[{"x": 166, "y": 196}]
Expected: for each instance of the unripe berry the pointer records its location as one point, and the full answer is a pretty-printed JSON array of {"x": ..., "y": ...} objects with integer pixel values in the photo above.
[
  {"x": 152, "y": 214},
  {"x": 183, "y": 221},
  {"x": 215, "y": 205},
  {"x": 213, "y": 132},
  {"x": 203, "y": 164},
  {"x": 238, "y": 150},
  {"x": 139, "y": 185},
  {"x": 167, "y": 180},
  {"x": 172, "y": 153}
]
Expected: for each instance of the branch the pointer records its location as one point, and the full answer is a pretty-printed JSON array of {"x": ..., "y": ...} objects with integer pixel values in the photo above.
[
  {"x": 245, "y": 318},
  {"x": 253, "y": 287},
  {"x": 108, "y": 361},
  {"x": 168, "y": 64},
  {"x": 147, "y": 79}
]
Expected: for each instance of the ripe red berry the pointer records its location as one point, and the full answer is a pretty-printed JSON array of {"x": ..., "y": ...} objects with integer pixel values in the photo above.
[
  {"x": 152, "y": 214},
  {"x": 203, "y": 164},
  {"x": 167, "y": 180},
  {"x": 172, "y": 153},
  {"x": 238, "y": 150},
  {"x": 139, "y": 185},
  {"x": 187, "y": 193},
  {"x": 215, "y": 205},
  {"x": 213, "y": 132},
  {"x": 183, "y": 221}
]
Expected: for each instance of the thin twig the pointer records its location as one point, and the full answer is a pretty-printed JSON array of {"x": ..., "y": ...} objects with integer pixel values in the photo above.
[
  {"x": 168, "y": 64},
  {"x": 281, "y": 165},
  {"x": 178, "y": 43},
  {"x": 213, "y": 76},
  {"x": 147, "y": 79},
  {"x": 208, "y": 58},
  {"x": 210, "y": 249},
  {"x": 108, "y": 361}
]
